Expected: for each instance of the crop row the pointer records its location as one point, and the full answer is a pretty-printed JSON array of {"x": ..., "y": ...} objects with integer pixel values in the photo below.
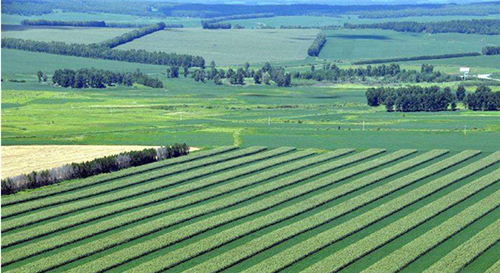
[
  {"x": 467, "y": 252},
  {"x": 147, "y": 212},
  {"x": 328, "y": 237},
  {"x": 235, "y": 255},
  {"x": 78, "y": 184},
  {"x": 278, "y": 236},
  {"x": 189, "y": 231},
  {"x": 410, "y": 252},
  {"x": 185, "y": 215},
  {"x": 353, "y": 252},
  {"x": 51, "y": 213},
  {"x": 151, "y": 211},
  {"x": 123, "y": 183}
]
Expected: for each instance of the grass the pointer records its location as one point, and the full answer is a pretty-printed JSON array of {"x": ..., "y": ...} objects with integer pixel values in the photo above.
[
  {"x": 362, "y": 44},
  {"x": 230, "y": 47},
  {"x": 278, "y": 190}
]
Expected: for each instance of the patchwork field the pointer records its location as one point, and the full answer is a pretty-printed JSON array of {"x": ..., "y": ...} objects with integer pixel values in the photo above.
[
  {"x": 318, "y": 21},
  {"x": 227, "y": 47},
  {"x": 66, "y": 34},
  {"x": 362, "y": 44},
  {"x": 18, "y": 160},
  {"x": 262, "y": 210}
]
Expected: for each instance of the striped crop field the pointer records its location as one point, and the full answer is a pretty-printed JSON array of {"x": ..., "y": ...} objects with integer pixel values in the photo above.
[{"x": 260, "y": 209}]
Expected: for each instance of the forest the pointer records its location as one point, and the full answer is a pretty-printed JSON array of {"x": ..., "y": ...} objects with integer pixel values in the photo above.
[
  {"x": 383, "y": 73},
  {"x": 98, "y": 78},
  {"x": 484, "y": 27},
  {"x": 491, "y": 50},
  {"x": 44, "y": 22}
]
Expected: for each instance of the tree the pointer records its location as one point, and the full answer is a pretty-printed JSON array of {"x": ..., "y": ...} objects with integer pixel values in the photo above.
[
  {"x": 230, "y": 73},
  {"x": 40, "y": 75},
  {"x": 217, "y": 80},
  {"x": 389, "y": 104},
  {"x": 186, "y": 71},
  {"x": 265, "y": 78},
  {"x": 247, "y": 66},
  {"x": 257, "y": 77},
  {"x": 461, "y": 93},
  {"x": 266, "y": 67}
]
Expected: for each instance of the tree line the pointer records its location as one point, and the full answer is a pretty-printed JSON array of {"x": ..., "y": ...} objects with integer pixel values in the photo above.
[
  {"x": 86, "y": 169},
  {"x": 412, "y": 98},
  {"x": 418, "y": 58},
  {"x": 99, "y": 52},
  {"x": 207, "y": 25},
  {"x": 485, "y": 26},
  {"x": 483, "y": 100},
  {"x": 473, "y": 9},
  {"x": 239, "y": 17},
  {"x": 264, "y": 75},
  {"x": 98, "y": 78},
  {"x": 383, "y": 73},
  {"x": 44, "y": 22},
  {"x": 491, "y": 50},
  {"x": 317, "y": 45},
  {"x": 132, "y": 35}
]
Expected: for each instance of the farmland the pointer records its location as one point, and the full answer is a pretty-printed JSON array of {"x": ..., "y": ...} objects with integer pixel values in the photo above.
[
  {"x": 256, "y": 209},
  {"x": 362, "y": 44},
  {"x": 65, "y": 34},
  {"x": 315, "y": 146},
  {"x": 231, "y": 46}
]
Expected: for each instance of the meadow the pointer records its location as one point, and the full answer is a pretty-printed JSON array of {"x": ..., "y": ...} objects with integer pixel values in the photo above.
[
  {"x": 258, "y": 209},
  {"x": 230, "y": 47},
  {"x": 362, "y": 44}
]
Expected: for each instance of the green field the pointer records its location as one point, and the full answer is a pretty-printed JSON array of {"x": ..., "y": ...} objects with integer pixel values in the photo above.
[
  {"x": 363, "y": 44},
  {"x": 260, "y": 210},
  {"x": 319, "y": 21},
  {"x": 66, "y": 34},
  {"x": 10, "y": 19},
  {"x": 229, "y": 47}
]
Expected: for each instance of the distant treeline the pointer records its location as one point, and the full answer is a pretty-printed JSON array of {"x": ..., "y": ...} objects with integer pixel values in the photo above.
[
  {"x": 43, "y": 22},
  {"x": 329, "y": 27},
  {"x": 383, "y": 73},
  {"x": 239, "y": 17},
  {"x": 474, "y": 9},
  {"x": 491, "y": 50},
  {"x": 485, "y": 27},
  {"x": 317, "y": 45},
  {"x": 98, "y": 78},
  {"x": 412, "y": 98},
  {"x": 418, "y": 58},
  {"x": 207, "y": 25},
  {"x": 132, "y": 35},
  {"x": 86, "y": 169},
  {"x": 100, "y": 52}
]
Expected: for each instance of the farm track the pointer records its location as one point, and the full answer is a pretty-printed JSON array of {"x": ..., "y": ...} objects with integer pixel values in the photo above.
[
  {"x": 248, "y": 203},
  {"x": 236, "y": 159},
  {"x": 21, "y": 198},
  {"x": 324, "y": 239},
  {"x": 182, "y": 216},
  {"x": 149, "y": 212}
]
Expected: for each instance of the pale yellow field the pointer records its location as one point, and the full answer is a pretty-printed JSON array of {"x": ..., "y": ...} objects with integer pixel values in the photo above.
[{"x": 23, "y": 159}]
